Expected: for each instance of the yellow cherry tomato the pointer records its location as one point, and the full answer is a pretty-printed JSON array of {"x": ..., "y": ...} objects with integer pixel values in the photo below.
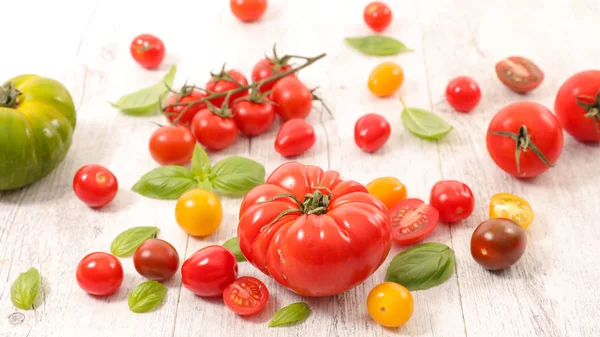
[
  {"x": 390, "y": 304},
  {"x": 385, "y": 79},
  {"x": 509, "y": 206},
  {"x": 199, "y": 212},
  {"x": 387, "y": 189}
]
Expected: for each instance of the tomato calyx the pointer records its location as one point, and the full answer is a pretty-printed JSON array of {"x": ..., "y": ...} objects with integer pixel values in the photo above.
[
  {"x": 224, "y": 75},
  {"x": 314, "y": 203},
  {"x": 9, "y": 95},
  {"x": 256, "y": 96},
  {"x": 593, "y": 109},
  {"x": 315, "y": 97},
  {"x": 523, "y": 143},
  {"x": 224, "y": 111},
  {"x": 278, "y": 62}
]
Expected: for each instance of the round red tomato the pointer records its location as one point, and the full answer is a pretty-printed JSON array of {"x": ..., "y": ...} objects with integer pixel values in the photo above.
[
  {"x": 463, "y": 94},
  {"x": 248, "y": 10},
  {"x": 176, "y": 113},
  {"x": 147, "y": 50},
  {"x": 524, "y": 139},
  {"x": 326, "y": 239},
  {"x": 213, "y": 131},
  {"x": 412, "y": 221},
  {"x": 453, "y": 199},
  {"x": 246, "y": 296},
  {"x": 294, "y": 138},
  {"x": 172, "y": 145},
  {"x": 226, "y": 81},
  {"x": 266, "y": 68},
  {"x": 519, "y": 74},
  {"x": 498, "y": 243},
  {"x": 209, "y": 271},
  {"x": 156, "y": 259},
  {"x": 99, "y": 274},
  {"x": 253, "y": 118},
  {"x": 292, "y": 98},
  {"x": 377, "y": 15},
  {"x": 577, "y": 105},
  {"x": 95, "y": 185},
  {"x": 371, "y": 131}
]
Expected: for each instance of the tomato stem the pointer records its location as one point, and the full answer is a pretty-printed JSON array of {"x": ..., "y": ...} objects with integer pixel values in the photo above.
[
  {"x": 523, "y": 143},
  {"x": 593, "y": 109},
  {"x": 9, "y": 95}
]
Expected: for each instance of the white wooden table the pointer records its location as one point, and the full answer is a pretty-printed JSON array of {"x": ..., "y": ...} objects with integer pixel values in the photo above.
[{"x": 552, "y": 291}]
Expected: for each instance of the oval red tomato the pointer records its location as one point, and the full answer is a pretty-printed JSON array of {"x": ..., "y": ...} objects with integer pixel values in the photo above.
[
  {"x": 519, "y": 74},
  {"x": 292, "y": 98},
  {"x": 412, "y": 221},
  {"x": 371, "y": 131},
  {"x": 294, "y": 138},
  {"x": 253, "y": 118},
  {"x": 463, "y": 94},
  {"x": 325, "y": 240},
  {"x": 453, "y": 199},
  {"x": 209, "y": 271},
  {"x": 377, "y": 15},
  {"x": 213, "y": 131},
  {"x": 99, "y": 274},
  {"x": 577, "y": 105},
  {"x": 265, "y": 68},
  {"x": 524, "y": 139},
  {"x": 246, "y": 296},
  {"x": 172, "y": 145},
  {"x": 147, "y": 50},
  {"x": 226, "y": 81},
  {"x": 95, "y": 185},
  {"x": 248, "y": 10},
  {"x": 176, "y": 113}
]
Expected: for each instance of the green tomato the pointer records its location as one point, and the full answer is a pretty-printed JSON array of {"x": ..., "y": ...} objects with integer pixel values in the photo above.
[{"x": 37, "y": 120}]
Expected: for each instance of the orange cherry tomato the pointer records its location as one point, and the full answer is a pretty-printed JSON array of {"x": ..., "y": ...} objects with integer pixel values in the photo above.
[
  {"x": 387, "y": 189},
  {"x": 385, "y": 79},
  {"x": 199, "y": 212},
  {"x": 390, "y": 304}
]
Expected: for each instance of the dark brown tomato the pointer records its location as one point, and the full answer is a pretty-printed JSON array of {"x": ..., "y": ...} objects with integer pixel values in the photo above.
[{"x": 498, "y": 243}]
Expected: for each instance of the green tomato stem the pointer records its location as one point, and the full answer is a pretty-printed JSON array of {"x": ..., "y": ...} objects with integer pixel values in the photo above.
[{"x": 9, "y": 95}]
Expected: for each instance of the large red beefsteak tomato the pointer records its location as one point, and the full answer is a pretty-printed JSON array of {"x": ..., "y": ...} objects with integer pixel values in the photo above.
[{"x": 313, "y": 232}]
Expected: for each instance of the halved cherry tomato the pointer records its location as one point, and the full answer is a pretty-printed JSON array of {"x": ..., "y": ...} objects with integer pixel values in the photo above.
[
  {"x": 387, "y": 189},
  {"x": 510, "y": 206},
  {"x": 377, "y": 15},
  {"x": 246, "y": 296},
  {"x": 385, "y": 79},
  {"x": 412, "y": 221},
  {"x": 453, "y": 199},
  {"x": 294, "y": 138},
  {"x": 147, "y": 50},
  {"x": 519, "y": 74}
]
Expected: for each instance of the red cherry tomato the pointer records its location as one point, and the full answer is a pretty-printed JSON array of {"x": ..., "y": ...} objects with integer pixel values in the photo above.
[
  {"x": 147, "y": 50},
  {"x": 253, "y": 118},
  {"x": 99, "y": 274},
  {"x": 248, "y": 10},
  {"x": 519, "y": 74},
  {"x": 292, "y": 98},
  {"x": 95, "y": 185},
  {"x": 294, "y": 138},
  {"x": 265, "y": 69},
  {"x": 209, "y": 271},
  {"x": 577, "y": 105},
  {"x": 246, "y": 296},
  {"x": 172, "y": 145},
  {"x": 498, "y": 243},
  {"x": 412, "y": 221},
  {"x": 524, "y": 139},
  {"x": 377, "y": 15},
  {"x": 213, "y": 131},
  {"x": 371, "y": 131},
  {"x": 453, "y": 199},
  {"x": 463, "y": 94},
  {"x": 225, "y": 81},
  {"x": 156, "y": 259},
  {"x": 173, "y": 113}
]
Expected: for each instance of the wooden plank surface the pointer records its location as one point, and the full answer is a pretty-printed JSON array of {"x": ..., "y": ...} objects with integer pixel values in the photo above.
[{"x": 550, "y": 292}]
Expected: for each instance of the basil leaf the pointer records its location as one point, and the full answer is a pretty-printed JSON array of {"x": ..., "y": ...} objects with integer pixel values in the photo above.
[
  {"x": 200, "y": 162},
  {"x": 128, "y": 241},
  {"x": 292, "y": 313},
  {"x": 166, "y": 182},
  {"x": 237, "y": 175},
  {"x": 25, "y": 289},
  {"x": 205, "y": 185},
  {"x": 234, "y": 246},
  {"x": 146, "y": 100},
  {"x": 422, "y": 266},
  {"x": 146, "y": 296},
  {"x": 377, "y": 45},
  {"x": 424, "y": 124}
]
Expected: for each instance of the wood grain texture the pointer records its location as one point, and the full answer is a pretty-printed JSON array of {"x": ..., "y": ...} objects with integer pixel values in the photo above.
[{"x": 550, "y": 292}]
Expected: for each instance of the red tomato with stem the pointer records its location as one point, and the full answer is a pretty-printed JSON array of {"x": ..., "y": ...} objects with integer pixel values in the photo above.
[
  {"x": 99, "y": 274},
  {"x": 454, "y": 200},
  {"x": 253, "y": 115},
  {"x": 524, "y": 139},
  {"x": 246, "y": 296},
  {"x": 294, "y": 138},
  {"x": 209, "y": 271},
  {"x": 519, "y": 74},
  {"x": 371, "y": 131},
  {"x": 215, "y": 128},
  {"x": 95, "y": 185},
  {"x": 147, "y": 50},
  {"x": 292, "y": 98},
  {"x": 412, "y": 221},
  {"x": 266, "y": 68},
  {"x": 577, "y": 105},
  {"x": 182, "y": 114},
  {"x": 224, "y": 82},
  {"x": 463, "y": 94},
  {"x": 377, "y": 15},
  {"x": 248, "y": 10},
  {"x": 172, "y": 145},
  {"x": 313, "y": 232},
  {"x": 156, "y": 259}
]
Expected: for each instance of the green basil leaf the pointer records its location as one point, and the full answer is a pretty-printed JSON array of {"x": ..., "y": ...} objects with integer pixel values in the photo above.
[
  {"x": 424, "y": 124},
  {"x": 128, "y": 241},
  {"x": 166, "y": 182},
  {"x": 377, "y": 45},
  {"x": 146, "y": 100},
  {"x": 237, "y": 175},
  {"x": 422, "y": 266},
  {"x": 234, "y": 246},
  {"x": 146, "y": 296},
  {"x": 25, "y": 289},
  {"x": 200, "y": 162},
  {"x": 205, "y": 185},
  {"x": 291, "y": 314}
]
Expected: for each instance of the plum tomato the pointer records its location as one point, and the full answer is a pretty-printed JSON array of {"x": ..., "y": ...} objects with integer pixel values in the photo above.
[
  {"x": 266, "y": 68},
  {"x": 453, "y": 199},
  {"x": 295, "y": 137},
  {"x": 253, "y": 118},
  {"x": 99, "y": 274},
  {"x": 371, "y": 131},
  {"x": 214, "y": 130},
  {"x": 95, "y": 185},
  {"x": 292, "y": 98},
  {"x": 519, "y": 74},
  {"x": 199, "y": 212},
  {"x": 385, "y": 79},
  {"x": 156, "y": 259},
  {"x": 510, "y": 206},
  {"x": 412, "y": 221},
  {"x": 377, "y": 16},
  {"x": 498, "y": 243},
  {"x": 463, "y": 94},
  {"x": 248, "y": 10},
  {"x": 172, "y": 145},
  {"x": 390, "y": 304},
  {"x": 387, "y": 189},
  {"x": 225, "y": 81},
  {"x": 209, "y": 271},
  {"x": 577, "y": 105},
  {"x": 246, "y": 296},
  {"x": 187, "y": 95},
  {"x": 147, "y": 50}
]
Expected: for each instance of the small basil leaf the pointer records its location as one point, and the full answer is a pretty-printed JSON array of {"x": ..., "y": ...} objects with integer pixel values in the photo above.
[
  {"x": 146, "y": 296},
  {"x": 290, "y": 314},
  {"x": 25, "y": 289},
  {"x": 424, "y": 124},
  {"x": 422, "y": 266},
  {"x": 165, "y": 182},
  {"x": 234, "y": 246},
  {"x": 200, "y": 162},
  {"x": 377, "y": 45},
  {"x": 237, "y": 175},
  {"x": 129, "y": 240}
]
